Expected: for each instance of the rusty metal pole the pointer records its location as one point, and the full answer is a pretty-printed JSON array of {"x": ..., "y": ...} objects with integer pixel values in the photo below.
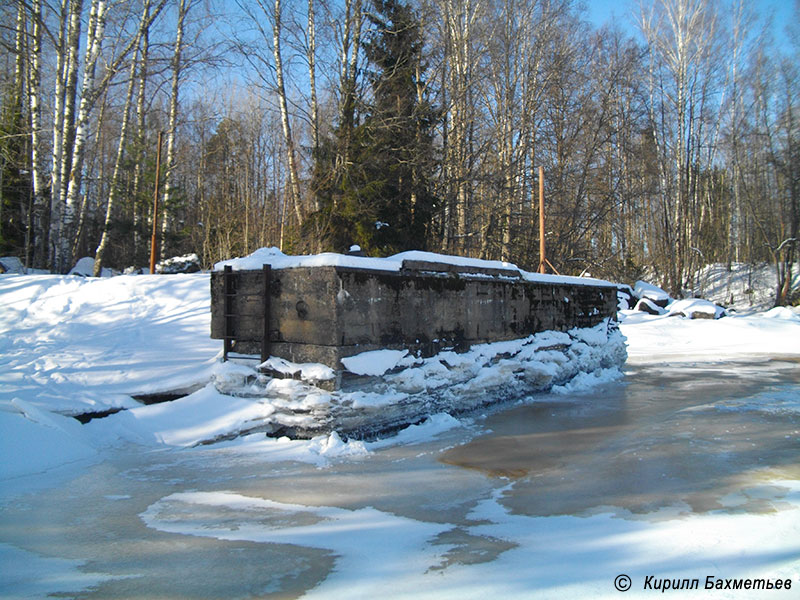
[
  {"x": 266, "y": 348},
  {"x": 542, "y": 255},
  {"x": 155, "y": 208}
]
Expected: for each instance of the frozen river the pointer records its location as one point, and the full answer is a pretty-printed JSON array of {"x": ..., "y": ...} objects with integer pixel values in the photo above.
[{"x": 673, "y": 472}]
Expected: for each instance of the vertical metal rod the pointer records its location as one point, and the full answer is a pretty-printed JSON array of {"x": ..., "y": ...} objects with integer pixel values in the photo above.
[
  {"x": 155, "y": 208},
  {"x": 266, "y": 349},
  {"x": 228, "y": 288},
  {"x": 542, "y": 255}
]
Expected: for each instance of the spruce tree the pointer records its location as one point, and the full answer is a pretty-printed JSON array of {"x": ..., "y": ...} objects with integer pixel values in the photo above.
[{"x": 380, "y": 198}]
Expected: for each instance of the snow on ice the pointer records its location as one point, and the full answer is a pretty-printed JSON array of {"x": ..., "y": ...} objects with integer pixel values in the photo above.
[{"x": 559, "y": 557}]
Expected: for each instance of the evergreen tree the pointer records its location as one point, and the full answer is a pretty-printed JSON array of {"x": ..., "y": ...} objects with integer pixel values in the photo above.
[
  {"x": 14, "y": 176},
  {"x": 380, "y": 197}
]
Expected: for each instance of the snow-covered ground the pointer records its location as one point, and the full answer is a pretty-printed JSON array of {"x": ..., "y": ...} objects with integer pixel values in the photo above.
[
  {"x": 745, "y": 288},
  {"x": 665, "y": 338},
  {"x": 71, "y": 345}
]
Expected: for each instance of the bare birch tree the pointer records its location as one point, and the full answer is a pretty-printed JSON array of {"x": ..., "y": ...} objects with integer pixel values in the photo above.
[
  {"x": 88, "y": 97},
  {"x": 349, "y": 53},
  {"x": 66, "y": 79},
  {"x": 682, "y": 36},
  {"x": 311, "y": 57},
  {"x": 139, "y": 140},
  {"x": 71, "y": 144},
  {"x": 273, "y": 73},
  {"x": 35, "y": 107},
  {"x": 459, "y": 20},
  {"x": 169, "y": 169},
  {"x": 291, "y": 155},
  {"x": 121, "y": 146},
  {"x": 521, "y": 38}
]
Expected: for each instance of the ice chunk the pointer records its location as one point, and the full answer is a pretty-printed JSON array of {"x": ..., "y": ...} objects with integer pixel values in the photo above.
[{"x": 375, "y": 362}]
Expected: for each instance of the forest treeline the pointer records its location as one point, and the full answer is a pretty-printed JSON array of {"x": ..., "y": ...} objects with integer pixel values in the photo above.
[{"x": 312, "y": 125}]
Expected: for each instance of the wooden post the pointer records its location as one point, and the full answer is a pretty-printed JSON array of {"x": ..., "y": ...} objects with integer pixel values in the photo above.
[
  {"x": 155, "y": 208},
  {"x": 542, "y": 254}
]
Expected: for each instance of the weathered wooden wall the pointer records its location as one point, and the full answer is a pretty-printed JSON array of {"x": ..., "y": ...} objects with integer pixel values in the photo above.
[{"x": 323, "y": 314}]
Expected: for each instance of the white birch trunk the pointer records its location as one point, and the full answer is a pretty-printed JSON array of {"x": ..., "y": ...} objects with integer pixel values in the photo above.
[
  {"x": 312, "y": 76},
  {"x": 348, "y": 69},
  {"x": 20, "y": 72},
  {"x": 459, "y": 19},
  {"x": 94, "y": 41},
  {"x": 123, "y": 141},
  {"x": 166, "y": 223},
  {"x": 294, "y": 179},
  {"x": 35, "y": 108},
  {"x": 63, "y": 114},
  {"x": 138, "y": 209}
]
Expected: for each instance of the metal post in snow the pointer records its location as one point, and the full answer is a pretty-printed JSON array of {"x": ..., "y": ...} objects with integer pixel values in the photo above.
[
  {"x": 229, "y": 290},
  {"x": 266, "y": 348},
  {"x": 542, "y": 255}
]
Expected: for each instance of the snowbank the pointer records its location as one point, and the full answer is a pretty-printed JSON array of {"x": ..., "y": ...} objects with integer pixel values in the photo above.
[
  {"x": 35, "y": 441},
  {"x": 654, "y": 339},
  {"x": 11, "y": 265},
  {"x": 73, "y": 345},
  {"x": 376, "y": 362},
  {"x": 242, "y": 400},
  {"x": 744, "y": 287},
  {"x": 395, "y": 389}
]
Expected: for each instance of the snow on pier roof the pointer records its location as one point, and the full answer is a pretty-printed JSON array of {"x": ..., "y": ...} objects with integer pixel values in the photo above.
[{"x": 278, "y": 260}]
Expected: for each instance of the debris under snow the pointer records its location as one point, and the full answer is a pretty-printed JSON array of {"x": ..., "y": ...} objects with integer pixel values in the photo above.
[
  {"x": 695, "y": 308},
  {"x": 648, "y": 306},
  {"x": 655, "y": 294},
  {"x": 188, "y": 263},
  {"x": 85, "y": 268},
  {"x": 655, "y": 301},
  {"x": 11, "y": 264}
]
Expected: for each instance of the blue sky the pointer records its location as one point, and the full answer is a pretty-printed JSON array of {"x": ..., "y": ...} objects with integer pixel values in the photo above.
[{"x": 600, "y": 11}]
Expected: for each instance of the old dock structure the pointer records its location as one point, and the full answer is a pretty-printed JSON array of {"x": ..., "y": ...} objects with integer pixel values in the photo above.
[{"x": 324, "y": 310}]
